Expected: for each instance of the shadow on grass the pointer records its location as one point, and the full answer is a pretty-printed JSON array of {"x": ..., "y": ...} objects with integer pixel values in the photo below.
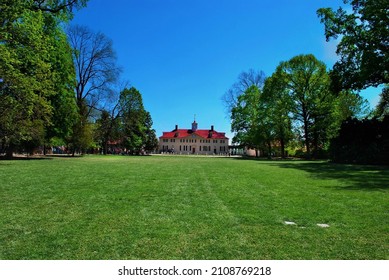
[
  {"x": 3, "y": 158},
  {"x": 354, "y": 177}
]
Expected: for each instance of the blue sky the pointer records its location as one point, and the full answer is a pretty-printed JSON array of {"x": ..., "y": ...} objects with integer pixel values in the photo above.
[{"x": 184, "y": 55}]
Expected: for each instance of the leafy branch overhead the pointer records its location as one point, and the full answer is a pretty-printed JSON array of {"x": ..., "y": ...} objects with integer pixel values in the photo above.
[
  {"x": 57, "y": 6},
  {"x": 364, "y": 43}
]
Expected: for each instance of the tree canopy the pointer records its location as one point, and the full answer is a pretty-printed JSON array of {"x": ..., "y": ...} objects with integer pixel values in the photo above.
[
  {"x": 363, "y": 47},
  {"x": 306, "y": 82},
  {"x": 245, "y": 80},
  {"x": 35, "y": 70},
  {"x": 135, "y": 122}
]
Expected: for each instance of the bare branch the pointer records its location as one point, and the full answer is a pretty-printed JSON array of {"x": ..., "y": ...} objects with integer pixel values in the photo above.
[
  {"x": 245, "y": 80},
  {"x": 95, "y": 63}
]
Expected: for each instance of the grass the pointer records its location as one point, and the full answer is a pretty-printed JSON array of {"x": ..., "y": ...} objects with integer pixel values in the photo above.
[{"x": 157, "y": 207}]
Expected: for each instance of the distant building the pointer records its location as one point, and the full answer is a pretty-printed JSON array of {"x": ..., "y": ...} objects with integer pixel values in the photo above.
[{"x": 193, "y": 141}]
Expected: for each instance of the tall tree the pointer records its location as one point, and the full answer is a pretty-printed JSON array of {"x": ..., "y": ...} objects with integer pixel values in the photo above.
[
  {"x": 96, "y": 68},
  {"x": 363, "y": 48},
  {"x": 27, "y": 77},
  {"x": 306, "y": 81},
  {"x": 382, "y": 108},
  {"x": 35, "y": 71},
  {"x": 246, "y": 79},
  {"x": 96, "y": 72},
  {"x": 151, "y": 142},
  {"x": 250, "y": 122},
  {"x": 135, "y": 122},
  {"x": 278, "y": 104},
  {"x": 64, "y": 113}
]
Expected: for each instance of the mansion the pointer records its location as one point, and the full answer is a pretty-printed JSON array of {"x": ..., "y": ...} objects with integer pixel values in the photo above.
[{"x": 193, "y": 141}]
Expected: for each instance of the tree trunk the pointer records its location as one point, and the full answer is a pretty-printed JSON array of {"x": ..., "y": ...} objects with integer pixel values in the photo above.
[
  {"x": 9, "y": 152},
  {"x": 306, "y": 134},
  {"x": 269, "y": 150},
  {"x": 282, "y": 147}
]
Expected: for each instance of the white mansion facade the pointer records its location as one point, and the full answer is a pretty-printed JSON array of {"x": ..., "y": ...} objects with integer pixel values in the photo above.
[{"x": 193, "y": 141}]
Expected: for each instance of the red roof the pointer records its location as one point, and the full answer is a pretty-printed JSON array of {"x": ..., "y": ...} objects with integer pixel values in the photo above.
[{"x": 203, "y": 133}]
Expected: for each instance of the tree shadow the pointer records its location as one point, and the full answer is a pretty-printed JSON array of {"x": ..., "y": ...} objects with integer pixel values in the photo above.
[
  {"x": 352, "y": 176},
  {"x": 4, "y": 158}
]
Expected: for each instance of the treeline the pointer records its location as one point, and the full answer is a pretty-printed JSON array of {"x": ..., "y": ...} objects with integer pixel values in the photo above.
[
  {"x": 305, "y": 110},
  {"x": 59, "y": 84}
]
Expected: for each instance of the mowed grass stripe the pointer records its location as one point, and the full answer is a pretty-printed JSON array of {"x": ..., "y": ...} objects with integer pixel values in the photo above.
[{"x": 158, "y": 207}]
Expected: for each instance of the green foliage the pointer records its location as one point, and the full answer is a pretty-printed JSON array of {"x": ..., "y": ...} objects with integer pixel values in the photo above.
[
  {"x": 363, "y": 48},
  {"x": 347, "y": 105},
  {"x": 151, "y": 142},
  {"x": 383, "y": 104},
  {"x": 245, "y": 80},
  {"x": 26, "y": 79},
  {"x": 36, "y": 73},
  {"x": 248, "y": 120},
  {"x": 82, "y": 134},
  {"x": 278, "y": 104},
  {"x": 305, "y": 81},
  {"x": 106, "y": 130},
  {"x": 61, "y": 8},
  {"x": 297, "y": 97},
  {"x": 135, "y": 122}
]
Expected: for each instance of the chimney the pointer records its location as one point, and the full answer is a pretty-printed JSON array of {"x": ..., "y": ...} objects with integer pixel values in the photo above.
[
  {"x": 211, "y": 127},
  {"x": 176, "y": 128}
]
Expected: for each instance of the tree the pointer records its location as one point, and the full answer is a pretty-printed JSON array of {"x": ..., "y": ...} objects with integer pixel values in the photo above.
[
  {"x": 278, "y": 106},
  {"x": 151, "y": 142},
  {"x": 26, "y": 79},
  {"x": 306, "y": 81},
  {"x": 96, "y": 69},
  {"x": 347, "y": 104},
  {"x": 363, "y": 48},
  {"x": 96, "y": 72},
  {"x": 60, "y": 7},
  {"x": 64, "y": 114},
  {"x": 250, "y": 122},
  {"x": 245, "y": 81},
  {"x": 382, "y": 108},
  {"x": 108, "y": 127},
  {"x": 134, "y": 122},
  {"x": 35, "y": 72}
]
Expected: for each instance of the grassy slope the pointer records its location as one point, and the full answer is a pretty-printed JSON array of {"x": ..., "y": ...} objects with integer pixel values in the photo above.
[{"x": 191, "y": 208}]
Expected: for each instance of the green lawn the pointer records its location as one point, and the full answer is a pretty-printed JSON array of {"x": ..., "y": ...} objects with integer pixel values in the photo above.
[{"x": 165, "y": 207}]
